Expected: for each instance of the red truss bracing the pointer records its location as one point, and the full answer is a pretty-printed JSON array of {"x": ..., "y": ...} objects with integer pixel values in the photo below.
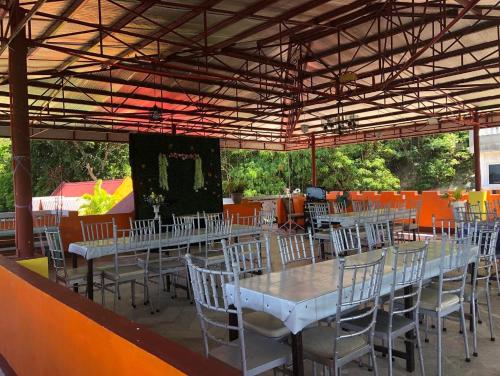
[{"x": 271, "y": 74}]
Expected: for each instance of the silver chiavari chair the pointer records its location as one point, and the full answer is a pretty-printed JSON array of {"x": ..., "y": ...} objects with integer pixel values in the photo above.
[
  {"x": 131, "y": 263},
  {"x": 358, "y": 285},
  {"x": 345, "y": 240},
  {"x": 337, "y": 207},
  {"x": 408, "y": 266},
  {"x": 173, "y": 244},
  {"x": 98, "y": 232},
  {"x": 447, "y": 295},
  {"x": 360, "y": 205},
  {"x": 485, "y": 238},
  {"x": 378, "y": 234},
  {"x": 296, "y": 249},
  {"x": 254, "y": 258},
  {"x": 251, "y": 353}
]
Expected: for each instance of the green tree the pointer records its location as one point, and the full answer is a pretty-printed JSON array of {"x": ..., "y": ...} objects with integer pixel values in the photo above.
[{"x": 6, "y": 185}]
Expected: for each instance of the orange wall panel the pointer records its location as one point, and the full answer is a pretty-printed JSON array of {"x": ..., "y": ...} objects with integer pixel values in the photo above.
[{"x": 46, "y": 329}]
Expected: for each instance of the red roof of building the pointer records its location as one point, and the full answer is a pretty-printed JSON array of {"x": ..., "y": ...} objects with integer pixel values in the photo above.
[{"x": 77, "y": 189}]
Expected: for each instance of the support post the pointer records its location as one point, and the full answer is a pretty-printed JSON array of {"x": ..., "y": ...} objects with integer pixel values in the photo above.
[
  {"x": 19, "y": 129},
  {"x": 477, "y": 153},
  {"x": 313, "y": 160}
]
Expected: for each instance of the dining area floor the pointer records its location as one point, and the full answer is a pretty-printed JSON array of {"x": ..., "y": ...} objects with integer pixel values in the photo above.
[{"x": 177, "y": 321}]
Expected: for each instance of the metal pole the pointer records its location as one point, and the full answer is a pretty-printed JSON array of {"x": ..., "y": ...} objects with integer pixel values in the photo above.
[
  {"x": 313, "y": 160},
  {"x": 477, "y": 153},
  {"x": 19, "y": 128}
]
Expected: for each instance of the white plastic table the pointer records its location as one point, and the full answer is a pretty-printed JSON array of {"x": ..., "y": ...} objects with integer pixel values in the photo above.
[
  {"x": 91, "y": 250},
  {"x": 303, "y": 295},
  {"x": 351, "y": 218}
]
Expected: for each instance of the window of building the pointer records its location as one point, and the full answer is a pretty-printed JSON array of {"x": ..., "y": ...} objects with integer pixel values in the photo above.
[{"x": 494, "y": 173}]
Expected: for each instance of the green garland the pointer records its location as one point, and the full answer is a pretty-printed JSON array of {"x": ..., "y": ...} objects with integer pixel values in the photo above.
[
  {"x": 163, "y": 171},
  {"x": 199, "y": 180}
]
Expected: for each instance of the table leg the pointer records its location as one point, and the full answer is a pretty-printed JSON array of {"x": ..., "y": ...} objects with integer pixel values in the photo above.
[
  {"x": 233, "y": 321},
  {"x": 409, "y": 344},
  {"x": 90, "y": 279},
  {"x": 297, "y": 354},
  {"x": 74, "y": 260}
]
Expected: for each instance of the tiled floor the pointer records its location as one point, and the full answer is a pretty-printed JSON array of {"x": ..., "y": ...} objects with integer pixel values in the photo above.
[{"x": 178, "y": 322}]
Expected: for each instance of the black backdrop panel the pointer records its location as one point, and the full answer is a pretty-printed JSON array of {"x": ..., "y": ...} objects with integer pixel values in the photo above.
[{"x": 181, "y": 197}]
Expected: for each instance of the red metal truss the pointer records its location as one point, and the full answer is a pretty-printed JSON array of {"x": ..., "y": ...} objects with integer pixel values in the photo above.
[{"x": 258, "y": 73}]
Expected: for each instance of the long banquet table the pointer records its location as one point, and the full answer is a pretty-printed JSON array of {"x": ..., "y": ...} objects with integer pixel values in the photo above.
[
  {"x": 303, "y": 295},
  {"x": 91, "y": 250},
  {"x": 351, "y": 218}
]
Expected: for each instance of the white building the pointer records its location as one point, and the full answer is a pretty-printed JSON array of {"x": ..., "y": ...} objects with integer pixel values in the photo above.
[{"x": 489, "y": 141}]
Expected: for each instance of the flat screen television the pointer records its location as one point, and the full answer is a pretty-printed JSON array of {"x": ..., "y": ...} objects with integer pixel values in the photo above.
[{"x": 316, "y": 193}]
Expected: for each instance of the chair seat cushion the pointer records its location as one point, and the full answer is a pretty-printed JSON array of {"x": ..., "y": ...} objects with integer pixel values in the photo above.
[
  {"x": 173, "y": 265},
  {"x": 262, "y": 353},
  {"x": 318, "y": 341},
  {"x": 128, "y": 272},
  {"x": 382, "y": 322},
  {"x": 429, "y": 300},
  {"x": 265, "y": 324}
]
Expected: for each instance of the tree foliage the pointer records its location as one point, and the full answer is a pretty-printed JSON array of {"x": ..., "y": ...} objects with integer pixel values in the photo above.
[
  {"x": 97, "y": 203},
  {"x": 432, "y": 162}
]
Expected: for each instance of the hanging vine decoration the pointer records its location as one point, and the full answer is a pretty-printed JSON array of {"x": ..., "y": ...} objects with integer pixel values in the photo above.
[
  {"x": 199, "y": 180},
  {"x": 163, "y": 171}
]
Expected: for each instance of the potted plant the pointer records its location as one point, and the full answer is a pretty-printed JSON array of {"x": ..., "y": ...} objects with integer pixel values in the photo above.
[
  {"x": 456, "y": 201},
  {"x": 237, "y": 190},
  {"x": 155, "y": 200}
]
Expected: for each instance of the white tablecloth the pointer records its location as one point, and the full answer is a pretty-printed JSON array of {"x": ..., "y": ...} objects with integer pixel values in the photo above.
[
  {"x": 303, "y": 295},
  {"x": 99, "y": 248},
  {"x": 351, "y": 218}
]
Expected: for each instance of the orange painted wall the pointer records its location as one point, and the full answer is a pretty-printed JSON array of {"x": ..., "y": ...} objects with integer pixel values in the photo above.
[
  {"x": 43, "y": 336},
  {"x": 244, "y": 209},
  {"x": 432, "y": 203}
]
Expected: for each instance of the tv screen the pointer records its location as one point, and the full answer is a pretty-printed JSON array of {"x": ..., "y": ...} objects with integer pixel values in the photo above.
[{"x": 316, "y": 193}]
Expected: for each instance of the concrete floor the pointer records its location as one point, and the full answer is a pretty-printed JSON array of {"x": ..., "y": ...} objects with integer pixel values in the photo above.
[{"x": 177, "y": 321}]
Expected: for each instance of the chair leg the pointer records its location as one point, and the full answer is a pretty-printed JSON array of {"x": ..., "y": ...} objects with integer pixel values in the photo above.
[
  {"x": 466, "y": 342},
  {"x": 115, "y": 295},
  {"x": 103, "y": 292},
  {"x": 374, "y": 360},
  {"x": 490, "y": 313},
  {"x": 439, "y": 339},
  {"x": 389, "y": 355},
  {"x": 474, "y": 325},
  {"x": 420, "y": 350},
  {"x": 497, "y": 277},
  {"x": 426, "y": 338},
  {"x": 132, "y": 289}
]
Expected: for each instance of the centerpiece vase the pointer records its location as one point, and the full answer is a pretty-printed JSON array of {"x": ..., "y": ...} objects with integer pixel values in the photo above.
[{"x": 156, "y": 209}]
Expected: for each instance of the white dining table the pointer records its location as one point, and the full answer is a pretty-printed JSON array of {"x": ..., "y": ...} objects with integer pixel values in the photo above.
[
  {"x": 95, "y": 249},
  {"x": 303, "y": 295},
  {"x": 351, "y": 218}
]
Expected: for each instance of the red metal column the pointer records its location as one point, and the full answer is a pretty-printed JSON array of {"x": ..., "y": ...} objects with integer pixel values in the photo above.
[
  {"x": 477, "y": 153},
  {"x": 19, "y": 128},
  {"x": 313, "y": 160}
]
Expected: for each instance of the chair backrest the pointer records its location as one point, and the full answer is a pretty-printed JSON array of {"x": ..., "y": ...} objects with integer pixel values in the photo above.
[
  {"x": 56, "y": 250},
  {"x": 210, "y": 295},
  {"x": 345, "y": 240},
  {"x": 337, "y": 207},
  {"x": 253, "y": 257},
  {"x": 267, "y": 218},
  {"x": 456, "y": 253},
  {"x": 194, "y": 220},
  {"x": 296, "y": 248},
  {"x": 216, "y": 226},
  {"x": 360, "y": 205},
  {"x": 358, "y": 284},
  {"x": 408, "y": 268},
  {"x": 378, "y": 234},
  {"x": 174, "y": 242},
  {"x": 142, "y": 225},
  {"x": 49, "y": 219},
  {"x": 486, "y": 241},
  {"x": 246, "y": 220},
  {"x": 132, "y": 246},
  {"x": 316, "y": 210},
  {"x": 97, "y": 231}
]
